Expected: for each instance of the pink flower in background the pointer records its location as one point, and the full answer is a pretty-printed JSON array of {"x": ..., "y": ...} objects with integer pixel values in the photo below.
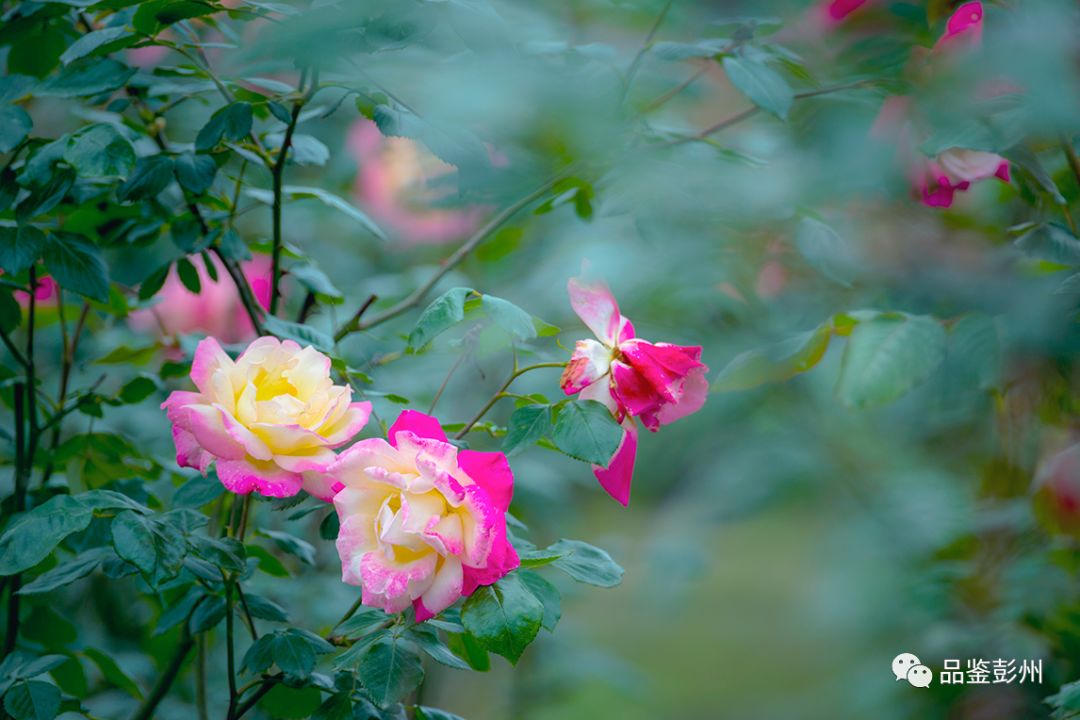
[
  {"x": 394, "y": 183},
  {"x": 938, "y": 179},
  {"x": 1057, "y": 491},
  {"x": 45, "y": 290},
  {"x": 657, "y": 383},
  {"x": 215, "y": 310},
  {"x": 838, "y": 10},
  {"x": 422, "y": 523},
  {"x": 269, "y": 420},
  {"x": 964, "y": 27}
]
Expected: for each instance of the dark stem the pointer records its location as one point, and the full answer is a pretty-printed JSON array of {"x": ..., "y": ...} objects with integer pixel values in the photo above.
[
  {"x": 21, "y": 483},
  {"x": 70, "y": 348},
  {"x": 278, "y": 172},
  {"x": 31, "y": 375},
  {"x": 200, "y": 679},
  {"x": 354, "y": 321},
  {"x": 636, "y": 62},
  {"x": 230, "y": 651},
  {"x": 445, "y": 382},
  {"x": 306, "y": 308},
  {"x": 243, "y": 289},
  {"x": 500, "y": 393},
  {"x": 165, "y": 680},
  {"x": 266, "y": 686}
]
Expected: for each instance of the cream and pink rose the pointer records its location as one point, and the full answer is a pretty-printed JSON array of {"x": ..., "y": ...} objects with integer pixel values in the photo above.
[
  {"x": 422, "y": 523},
  {"x": 657, "y": 383},
  {"x": 269, "y": 420}
]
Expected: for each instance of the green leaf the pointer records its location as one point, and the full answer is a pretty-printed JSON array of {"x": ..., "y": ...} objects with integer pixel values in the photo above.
[
  {"x": 887, "y": 356},
  {"x": 291, "y": 544},
  {"x": 316, "y": 281},
  {"x": 232, "y": 122},
  {"x": 302, "y": 334},
  {"x": 91, "y": 41},
  {"x": 362, "y": 622},
  {"x": 20, "y": 247},
  {"x": 89, "y": 76},
  {"x": 10, "y": 311},
  {"x": 77, "y": 265},
  {"x": 678, "y": 51},
  {"x": 15, "y": 125},
  {"x": 207, "y": 615},
  {"x": 762, "y": 85},
  {"x": 468, "y": 648},
  {"x": 189, "y": 276},
  {"x": 390, "y": 669},
  {"x": 44, "y": 198},
  {"x": 1050, "y": 242},
  {"x": 548, "y": 595},
  {"x": 32, "y": 700},
  {"x": 265, "y": 608},
  {"x": 774, "y": 363},
  {"x": 284, "y": 702},
  {"x": 446, "y": 311},
  {"x": 297, "y": 192},
  {"x": 151, "y": 15},
  {"x": 260, "y": 656},
  {"x": 150, "y": 285},
  {"x": 427, "y": 638},
  {"x": 527, "y": 425},
  {"x": 303, "y": 149},
  {"x": 100, "y": 151},
  {"x": 78, "y": 567},
  {"x": 152, "y": 174},
  {"x": 153, "y": 545},
  {"x": 509, "y": 317},
  {"x": 826, "y": 251},
  {"x": 586, "y": 431},
  {"x": 1023, "y": 156},
  {"x": 112, "y": 673},
  {"x": 587, "y": 563},
  {"x": 195, "y": 173},
  {"x": 33, "y": 535},
  {"x": 504, "y": 617}
]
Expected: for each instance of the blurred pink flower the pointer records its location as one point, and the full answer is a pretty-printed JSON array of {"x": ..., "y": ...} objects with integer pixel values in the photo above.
[
  {"x": 838, "y": 10},
  {"x": 655, "y": 382},
  {"x": 394, "y": 181},
  {"x": 937, "y": 180},
  {"x": 45, "y": 290},
  {"x": 422, "y": 522},
  {"x": 1057, "y": 491},
  {"x": 215, "y": 310},
  {"x": 268, "y": 420}
]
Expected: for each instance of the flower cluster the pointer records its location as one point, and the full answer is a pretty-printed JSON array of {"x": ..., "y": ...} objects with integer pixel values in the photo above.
[
  {"x": 937, "y": 180},
  {"x": 657, "y": 383},
  {"x": 422, "y": 523}
]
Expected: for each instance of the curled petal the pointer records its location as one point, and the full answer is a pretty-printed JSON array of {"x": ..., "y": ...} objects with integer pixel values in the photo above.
[
  {"x": 266, "y": 478},
  {"x": 596, "y": 307},
  {"x": 351, "y": 422},
  {"x": 209, "y": 358},
  {"x": 619, "y": 473},
  {"x": 393, "y": 585},
  {"x": 417, "y": 423},
  {"x": 445, "y": 589},
  {"x": 694, "y": 392},
  {"x": 321, "y": 485}
]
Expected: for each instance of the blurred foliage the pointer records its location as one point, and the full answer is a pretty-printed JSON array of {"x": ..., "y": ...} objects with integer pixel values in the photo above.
[{"x": 893, "y": 383}]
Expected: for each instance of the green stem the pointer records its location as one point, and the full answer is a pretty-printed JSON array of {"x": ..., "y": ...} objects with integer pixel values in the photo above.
[
  {"x": 230, "y": 651},
  {"x": 165, "y": 679},
  {"x": 21, "y": 482},
  {"x": 418, "y": 295},
  {"x": 348, "y": 613},
  {"x": 445, "y": 382},
  {"x": 278, "y": 172},
  {"x": 500, "y": 393},
  {"x": 636, "y": 62}
]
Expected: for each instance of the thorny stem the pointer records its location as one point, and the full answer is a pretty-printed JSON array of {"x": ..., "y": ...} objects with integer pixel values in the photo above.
[
  {"x": 418, "y": 295},
  {"x": 70, "y": 348},
  {"x": 518, "y": 372},
  {"x": 165, "y": 679}
]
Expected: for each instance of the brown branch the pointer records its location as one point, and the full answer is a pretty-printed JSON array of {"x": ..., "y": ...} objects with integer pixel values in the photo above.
[{"x": 418, "y": 295}]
